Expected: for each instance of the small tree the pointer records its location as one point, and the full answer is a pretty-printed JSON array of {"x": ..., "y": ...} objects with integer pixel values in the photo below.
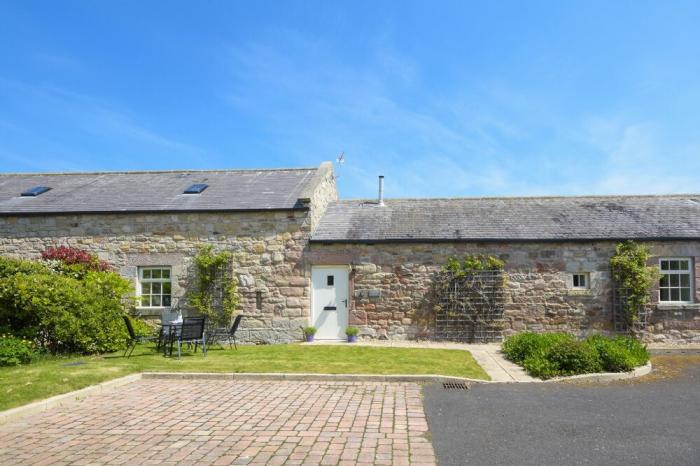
[
  {"x": 633, "y": 277},
  {"x": 216, "y": 296}
]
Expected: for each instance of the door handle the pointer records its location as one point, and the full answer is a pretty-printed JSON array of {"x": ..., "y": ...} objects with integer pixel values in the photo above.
[{"x": 346, "y": 302}]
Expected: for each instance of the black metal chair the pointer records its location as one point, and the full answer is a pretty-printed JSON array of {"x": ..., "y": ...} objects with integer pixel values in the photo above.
[
  {"x": 133, "y": 338},
  {"x": 191, "y": 331},
  {"x": 220, "y": 334},
  {"x": 166, "y": 322}
]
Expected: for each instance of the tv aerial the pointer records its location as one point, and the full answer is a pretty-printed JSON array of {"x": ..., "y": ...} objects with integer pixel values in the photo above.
[{"x": 340, "y": 160}]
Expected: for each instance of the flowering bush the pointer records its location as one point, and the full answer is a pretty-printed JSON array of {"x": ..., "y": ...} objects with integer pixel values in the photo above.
[
  {"x": 74, "y": 256},
  {"x": 15, "y": 351}
]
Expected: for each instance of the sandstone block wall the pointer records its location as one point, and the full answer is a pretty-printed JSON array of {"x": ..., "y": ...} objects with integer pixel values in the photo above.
[
  {"x": 390, "y": 286},
  {"x": 267, "y": 252}
]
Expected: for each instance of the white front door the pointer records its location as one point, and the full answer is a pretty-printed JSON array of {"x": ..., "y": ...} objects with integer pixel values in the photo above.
[{"x": 330, "y": 301}]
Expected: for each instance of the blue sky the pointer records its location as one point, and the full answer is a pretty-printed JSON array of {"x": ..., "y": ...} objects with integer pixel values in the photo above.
[{"x": 444, "y": 99}]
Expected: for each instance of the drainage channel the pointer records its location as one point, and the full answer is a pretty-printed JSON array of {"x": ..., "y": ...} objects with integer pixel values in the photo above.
[{"x": 455, "y": 386}]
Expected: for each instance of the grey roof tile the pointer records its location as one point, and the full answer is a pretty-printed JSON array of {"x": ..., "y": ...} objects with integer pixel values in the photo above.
[
  {"x": 156, "y": 191},
  {"x": 509, "y": 219}
]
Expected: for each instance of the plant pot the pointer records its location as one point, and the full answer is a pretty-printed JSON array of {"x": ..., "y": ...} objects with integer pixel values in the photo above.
[
  {"x": 352, "y": 338},
  {"x": 309, "y": 338}
]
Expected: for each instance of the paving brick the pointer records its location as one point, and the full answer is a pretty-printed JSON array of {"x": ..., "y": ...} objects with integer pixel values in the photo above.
[{"x": 191, "y": 421}]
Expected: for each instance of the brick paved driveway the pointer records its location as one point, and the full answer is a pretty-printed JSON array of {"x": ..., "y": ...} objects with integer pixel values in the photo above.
[{"x": 226, "y": 422}]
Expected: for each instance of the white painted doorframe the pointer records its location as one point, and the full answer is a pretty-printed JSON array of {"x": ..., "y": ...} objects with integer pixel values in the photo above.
[{"x": 330, "y": 286}]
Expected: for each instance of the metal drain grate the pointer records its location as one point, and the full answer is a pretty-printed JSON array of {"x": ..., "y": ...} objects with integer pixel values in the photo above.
[{"x": 455, "y": 386}]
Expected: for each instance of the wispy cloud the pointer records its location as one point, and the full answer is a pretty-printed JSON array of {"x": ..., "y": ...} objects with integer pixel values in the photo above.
[
  {"x": 78, "y": 130},
  {"x": 320, "y": 107},
  {"x": 486, "y": 138}
]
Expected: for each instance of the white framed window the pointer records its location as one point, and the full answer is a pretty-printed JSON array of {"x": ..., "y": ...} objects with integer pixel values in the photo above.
[
  {"x": 155, "y": 287},
  {"x": 675, "y": 285},
  {"x": 580, "y": 281}
]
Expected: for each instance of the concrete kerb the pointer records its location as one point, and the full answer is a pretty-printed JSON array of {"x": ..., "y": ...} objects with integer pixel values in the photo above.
[
  {"x": 309, "y": 377},
  {"x": 606, "y": 376}
]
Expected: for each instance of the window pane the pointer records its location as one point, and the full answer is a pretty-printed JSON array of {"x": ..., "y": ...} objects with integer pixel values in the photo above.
[
  {"x": 575, "y": 280},
  {"x": 146, "y": 273},
  {"x": 155, "y": 273},
  {"x": 685, "y": 280},
  {"x": 155, "y": 288},
  {"x": 166, "y": 288},
  {"x": 674, "y": 265},
  {"x": 664, "y": 280},
  {"x": 166, "y": 300},
  {"x": 684, "y": 264},
  {"x": 664, "y": 265},
  {"x": 145, "y": 288},
  {"x": 145, "y": 301},
  {"x": 166, "y": 273},
  {"x": 582, "y": 281},
  {"x": 675, "y": 280},
  {"x": 685, "y": 294},
  {"x": 675, "y": 294},
  {"x": 155, "y": 300},
  {"x": 664, "y": 294}
]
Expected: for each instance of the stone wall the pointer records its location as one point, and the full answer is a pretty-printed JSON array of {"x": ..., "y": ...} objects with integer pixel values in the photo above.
[
  {"x": 391, "y": 282},
  {"x": 267, "y": 255}
]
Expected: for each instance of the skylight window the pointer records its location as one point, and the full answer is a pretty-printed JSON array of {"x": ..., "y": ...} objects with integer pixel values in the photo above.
[
  {"x": 196, "y": 188},
  {"x": 35, "y": 191}
]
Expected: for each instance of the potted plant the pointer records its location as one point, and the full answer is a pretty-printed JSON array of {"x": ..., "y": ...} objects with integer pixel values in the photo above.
[
  {"x": 309, "y": 333},
  {"x": 352, "y": 332}
]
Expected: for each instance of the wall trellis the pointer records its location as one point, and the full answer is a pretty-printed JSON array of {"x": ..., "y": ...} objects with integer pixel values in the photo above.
[
  {"x": 469, "y": 306},
  {"x": 622, "y": 320}
]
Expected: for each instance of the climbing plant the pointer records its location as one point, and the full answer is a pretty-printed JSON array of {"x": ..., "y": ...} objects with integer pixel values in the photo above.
[
  {"x": 471, "y": 263},
  {"x": 469, "y": 299},
  {"x": 216, "y": 294},
  {"x": 633, "y": 277}
]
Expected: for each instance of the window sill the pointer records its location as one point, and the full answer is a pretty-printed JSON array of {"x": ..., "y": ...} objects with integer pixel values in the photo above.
[
  {"x": 579, "y": 292},
  {"x": 150, "y": 311},
  {"x": 678, "y": 306}
]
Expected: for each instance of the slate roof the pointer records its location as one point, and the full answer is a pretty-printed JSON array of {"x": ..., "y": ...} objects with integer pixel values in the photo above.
[
  {"x": 512, "y": 219},
  {"x": 155, "y": 191}
]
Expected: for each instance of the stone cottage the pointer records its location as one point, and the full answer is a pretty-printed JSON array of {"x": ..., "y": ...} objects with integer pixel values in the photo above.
[
  {"x": 304, "y": 257},
  {"x": 150, "y": 224},
  {"x": 556, "y": 252}
]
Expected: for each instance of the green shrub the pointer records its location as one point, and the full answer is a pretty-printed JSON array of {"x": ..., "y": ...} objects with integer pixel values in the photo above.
[
  {"x": 62, "y": 312},
  {"x": 538, "y": 366},
  {"x": 10, "y": 267},
  {"x": 548, "y": 355},
  {"x": 15, "y": 351},
  {"x": 573, "y": 357},
  {"x": 621, "y": 354},
  {"x": 524, "y": 345},
  {"x": 310, "y": 331},
  {"x": 352, "y": 331},
  {"x": 637, "y": 350},
  {"x": 143, "y": 328}
]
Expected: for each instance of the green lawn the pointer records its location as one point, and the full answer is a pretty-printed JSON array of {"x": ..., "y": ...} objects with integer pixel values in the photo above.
[{"x": 53, "y": 376}]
